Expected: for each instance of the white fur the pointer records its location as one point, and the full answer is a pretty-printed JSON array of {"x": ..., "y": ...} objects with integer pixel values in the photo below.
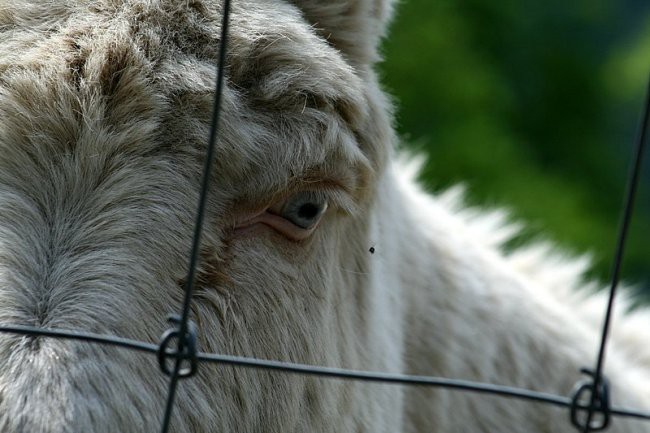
[{"x": 104, "y": 111}]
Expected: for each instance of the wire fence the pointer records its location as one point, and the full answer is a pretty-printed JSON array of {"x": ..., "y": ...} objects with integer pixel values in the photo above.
[{"x": 589, "y": 405}]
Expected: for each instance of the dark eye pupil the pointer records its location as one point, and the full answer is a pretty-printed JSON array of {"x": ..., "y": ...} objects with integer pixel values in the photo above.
[
  {"x": 308, "y": 211},
  {"x": 304, "y": 209}
]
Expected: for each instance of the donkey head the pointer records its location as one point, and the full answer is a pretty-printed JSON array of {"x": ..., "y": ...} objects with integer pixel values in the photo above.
[{"x": 105, "y": 109}]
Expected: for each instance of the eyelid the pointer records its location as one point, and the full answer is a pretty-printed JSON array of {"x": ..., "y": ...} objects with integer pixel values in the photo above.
[
  {"x": 336, "y": 195},
  {"x": 279, "y": 224}
]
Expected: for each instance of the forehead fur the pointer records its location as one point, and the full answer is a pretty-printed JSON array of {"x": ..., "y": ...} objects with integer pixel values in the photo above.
[{"x": 135, "y": 77}]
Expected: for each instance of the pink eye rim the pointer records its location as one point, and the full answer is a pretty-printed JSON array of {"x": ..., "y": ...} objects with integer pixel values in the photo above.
[{"x": 274, "y": 216}]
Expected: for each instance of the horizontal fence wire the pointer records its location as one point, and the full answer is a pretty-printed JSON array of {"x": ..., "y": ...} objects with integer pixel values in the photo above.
[{"x": 327, "y": 372}]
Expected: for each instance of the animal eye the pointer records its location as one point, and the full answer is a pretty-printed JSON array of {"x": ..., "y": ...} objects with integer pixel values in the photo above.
[{"x": 303, "y": 209}]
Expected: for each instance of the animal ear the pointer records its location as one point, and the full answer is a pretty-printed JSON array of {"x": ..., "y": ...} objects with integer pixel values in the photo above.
[{"x": 354, "y": 27}]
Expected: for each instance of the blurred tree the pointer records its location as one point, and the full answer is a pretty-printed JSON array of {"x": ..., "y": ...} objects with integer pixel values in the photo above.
[{"x": 534, "y": 105}]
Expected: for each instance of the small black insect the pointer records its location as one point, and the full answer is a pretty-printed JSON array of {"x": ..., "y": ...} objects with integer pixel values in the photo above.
[{"x": 372, "y": 250}]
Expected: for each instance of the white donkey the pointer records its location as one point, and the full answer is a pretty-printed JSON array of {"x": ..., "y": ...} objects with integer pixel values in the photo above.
[{"x": 319, "y": 247}]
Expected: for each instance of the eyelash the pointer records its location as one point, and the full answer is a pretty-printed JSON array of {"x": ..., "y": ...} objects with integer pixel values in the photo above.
[
  {"x": 333, "y": 193},
  {"x": 335, "y": 198}
]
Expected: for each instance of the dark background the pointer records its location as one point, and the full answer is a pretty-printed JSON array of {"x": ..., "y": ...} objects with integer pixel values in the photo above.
[{"x": 534, "y": 106}]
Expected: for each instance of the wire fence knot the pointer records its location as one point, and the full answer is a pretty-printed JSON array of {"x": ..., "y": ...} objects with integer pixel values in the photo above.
[
  {"x": 179, "y": 348},
  {"x": 590, "y": 403}
]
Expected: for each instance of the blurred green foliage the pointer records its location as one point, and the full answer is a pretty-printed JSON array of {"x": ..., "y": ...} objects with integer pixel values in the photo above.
[{"x": 533, "y": 105}]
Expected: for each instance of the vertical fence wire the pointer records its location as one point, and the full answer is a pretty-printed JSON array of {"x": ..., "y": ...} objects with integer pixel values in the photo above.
[
  {"x": 624, "y": 228},
  {"x": 183, "y": 321}
]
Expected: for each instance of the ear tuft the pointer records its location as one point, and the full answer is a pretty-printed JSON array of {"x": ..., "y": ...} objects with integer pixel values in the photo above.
[{"x": 354, "y": 27}]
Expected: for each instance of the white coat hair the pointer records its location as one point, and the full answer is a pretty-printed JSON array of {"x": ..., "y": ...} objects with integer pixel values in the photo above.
[{"x": 105, "y": 108}]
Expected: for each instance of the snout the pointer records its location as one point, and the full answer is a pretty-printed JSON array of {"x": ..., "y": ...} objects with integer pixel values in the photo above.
[{"x": 55, "y": 386}]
